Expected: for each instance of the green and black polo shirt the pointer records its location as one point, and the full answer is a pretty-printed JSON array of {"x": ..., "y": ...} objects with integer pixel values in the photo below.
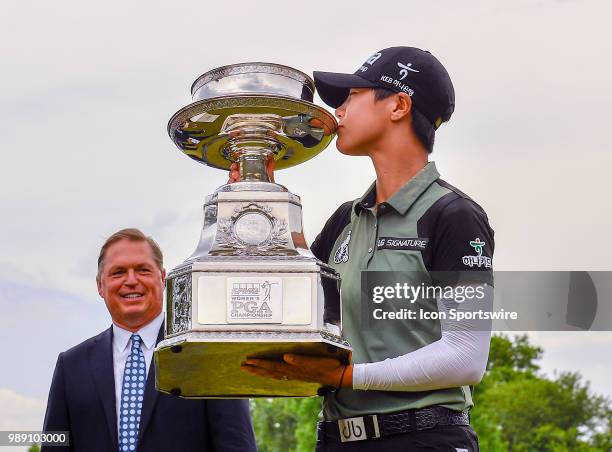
[{"x": 427, "y": 226}]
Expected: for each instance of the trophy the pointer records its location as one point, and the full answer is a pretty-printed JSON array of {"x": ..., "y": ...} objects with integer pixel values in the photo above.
[{"x": 252, "y": 288}]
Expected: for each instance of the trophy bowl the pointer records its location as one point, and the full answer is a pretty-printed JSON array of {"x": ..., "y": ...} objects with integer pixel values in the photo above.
[
  {"x": 255, "y": 106},
  {"x": 252, "y": 288}
]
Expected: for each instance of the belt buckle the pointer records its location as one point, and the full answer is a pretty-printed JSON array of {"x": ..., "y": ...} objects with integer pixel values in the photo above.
[{"x": 354, "y": 429}]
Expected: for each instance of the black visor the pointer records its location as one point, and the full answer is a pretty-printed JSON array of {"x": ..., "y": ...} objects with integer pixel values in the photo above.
[{"x": 334, "y": 88}]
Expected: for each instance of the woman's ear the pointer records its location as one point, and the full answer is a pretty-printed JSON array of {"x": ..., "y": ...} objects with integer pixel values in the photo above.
[{"x": 401, "y": 107}]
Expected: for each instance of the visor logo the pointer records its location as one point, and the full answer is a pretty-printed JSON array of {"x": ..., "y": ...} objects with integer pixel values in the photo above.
[
  {"x": 405, "y": 68},
  {"x": 373, "y": 58}
]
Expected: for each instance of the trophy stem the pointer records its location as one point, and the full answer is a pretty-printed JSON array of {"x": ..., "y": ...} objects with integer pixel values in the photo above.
[{"x": 252, "y": 166}]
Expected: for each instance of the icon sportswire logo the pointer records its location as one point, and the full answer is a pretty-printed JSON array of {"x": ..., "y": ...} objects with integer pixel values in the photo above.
[{"x": 404, "y": 69}]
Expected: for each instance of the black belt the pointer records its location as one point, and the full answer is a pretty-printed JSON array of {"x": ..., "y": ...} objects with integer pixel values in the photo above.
[{"x": 378, "y": 425}]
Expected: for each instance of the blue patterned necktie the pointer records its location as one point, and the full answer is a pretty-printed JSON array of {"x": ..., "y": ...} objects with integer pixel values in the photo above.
[{"x": 132, "y": 393}]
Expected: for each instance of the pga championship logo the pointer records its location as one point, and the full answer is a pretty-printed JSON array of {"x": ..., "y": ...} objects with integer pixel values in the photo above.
[{"x": 252, "y": 300}]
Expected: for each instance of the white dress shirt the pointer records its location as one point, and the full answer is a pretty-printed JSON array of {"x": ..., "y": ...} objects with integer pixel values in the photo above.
[{"x": 122, "y": 345}]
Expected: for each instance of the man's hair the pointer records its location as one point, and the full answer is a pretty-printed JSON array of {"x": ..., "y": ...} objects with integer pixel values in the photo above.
[
  {"x": 133, "y": 235},
  {"x": 423, "y": 129}
]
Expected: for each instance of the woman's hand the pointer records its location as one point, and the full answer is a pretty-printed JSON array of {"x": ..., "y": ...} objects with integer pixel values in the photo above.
[{"x": 326, "y": 371}]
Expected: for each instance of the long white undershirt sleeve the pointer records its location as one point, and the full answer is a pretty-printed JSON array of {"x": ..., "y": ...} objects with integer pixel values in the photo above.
[{"x": 458, "y": 358}]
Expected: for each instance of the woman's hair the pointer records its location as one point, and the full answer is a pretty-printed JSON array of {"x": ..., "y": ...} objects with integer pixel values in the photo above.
[{"x": 423, "y": 129}]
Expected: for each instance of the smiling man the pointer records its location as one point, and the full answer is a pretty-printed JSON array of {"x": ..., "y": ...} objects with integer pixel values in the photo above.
[
  {"x": 131, "y": 281},
  {"x": 103, "y": 390}
]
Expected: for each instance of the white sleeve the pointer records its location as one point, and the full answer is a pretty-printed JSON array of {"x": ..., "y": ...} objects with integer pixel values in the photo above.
[{"x": 458, "y": 358}]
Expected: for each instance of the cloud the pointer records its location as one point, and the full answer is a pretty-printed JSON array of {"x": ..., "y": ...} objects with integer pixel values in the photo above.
[
  {"x": 20, "y": 412},
  {"x": 579, "y": 351},
  {"x": 46, "y": 321}
]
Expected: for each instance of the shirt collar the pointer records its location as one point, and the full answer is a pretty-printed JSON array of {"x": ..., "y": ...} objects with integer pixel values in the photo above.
[
  {"x": 367, "y": 201},
  {"x": 148, "y": 333},
  {"x": 405, "y": 197}
]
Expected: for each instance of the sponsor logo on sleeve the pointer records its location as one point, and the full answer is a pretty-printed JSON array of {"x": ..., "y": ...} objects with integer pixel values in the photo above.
[
  {"x": 479, "y": 260},
  {"x": 402, "y": 243}
]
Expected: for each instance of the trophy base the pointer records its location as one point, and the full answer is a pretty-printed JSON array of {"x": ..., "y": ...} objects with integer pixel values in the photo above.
[{"x": 203, "y": 365}]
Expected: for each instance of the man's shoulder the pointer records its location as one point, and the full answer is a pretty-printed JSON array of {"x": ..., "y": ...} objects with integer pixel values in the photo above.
[{"x": 81, "y": 349}]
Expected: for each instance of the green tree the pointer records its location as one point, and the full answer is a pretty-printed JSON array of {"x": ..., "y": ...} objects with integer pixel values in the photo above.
[
  {"x": 517, "y": 355},
  {"x": 517, "y": 409},
  {"x": 308, "y": 414},
  {"x": 275, "y": 422},
  {"x": 285, "y": 424}
]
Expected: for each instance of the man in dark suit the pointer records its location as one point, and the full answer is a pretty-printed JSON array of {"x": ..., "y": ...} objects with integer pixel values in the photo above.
[{"x": 103, "y": 390}]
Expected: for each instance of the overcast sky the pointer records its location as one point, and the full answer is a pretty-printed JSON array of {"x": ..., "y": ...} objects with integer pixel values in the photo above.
[{"x": 88, "y": 88}]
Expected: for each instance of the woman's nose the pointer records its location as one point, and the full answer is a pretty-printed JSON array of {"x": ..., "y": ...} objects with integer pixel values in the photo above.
[{"x": 339, "y": 111}]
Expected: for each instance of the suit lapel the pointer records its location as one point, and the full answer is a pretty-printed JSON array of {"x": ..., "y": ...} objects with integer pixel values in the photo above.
[
  {"x": 101, "y": 362},
  {"x": 150, "y": 395}
]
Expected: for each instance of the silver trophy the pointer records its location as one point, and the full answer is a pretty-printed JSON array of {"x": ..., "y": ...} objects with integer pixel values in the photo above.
[{"x": 252, "y": 288}]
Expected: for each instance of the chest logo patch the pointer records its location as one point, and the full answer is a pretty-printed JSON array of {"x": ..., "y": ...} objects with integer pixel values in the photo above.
[
  {"x": 479, "y": 260},
  {"x": 342, "y": 253},
  {"x": 401, "y": 243}
]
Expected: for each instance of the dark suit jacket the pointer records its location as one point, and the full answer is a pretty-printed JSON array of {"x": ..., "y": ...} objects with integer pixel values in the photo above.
[{"x": 82, "y": 401}]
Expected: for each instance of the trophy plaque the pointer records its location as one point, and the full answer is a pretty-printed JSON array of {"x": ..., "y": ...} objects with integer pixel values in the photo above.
[{"x": 252, "y": 288}]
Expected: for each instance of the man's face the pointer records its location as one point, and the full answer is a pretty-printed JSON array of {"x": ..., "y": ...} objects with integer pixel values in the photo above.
[
  {"x": 131, "y": 283},
  {"x": 361, "y": 122}
]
